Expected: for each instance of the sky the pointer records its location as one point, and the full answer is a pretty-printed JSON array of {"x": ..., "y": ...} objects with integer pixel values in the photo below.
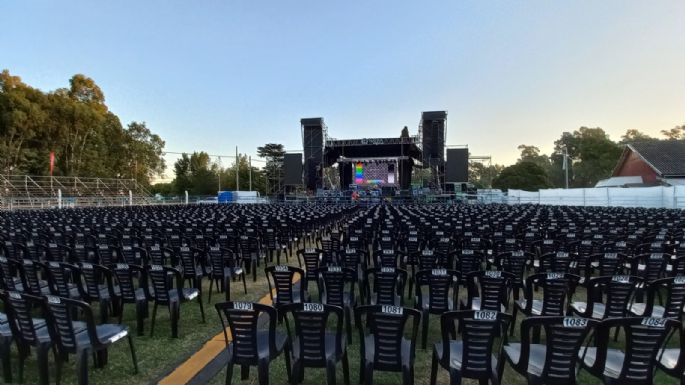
[{"x": 213, "y": 75}]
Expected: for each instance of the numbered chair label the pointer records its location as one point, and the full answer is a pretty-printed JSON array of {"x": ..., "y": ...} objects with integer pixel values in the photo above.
[
  {"x": 122, "y": 266},
  {"x": 621, "y": 278},
  {"x": 610, "y": 256},
  {"x": 439, "y": 272},
  {"x": 679, "y": 280},
  {"x": 387, "y": 309},
  {"x": 483, "y": 315},
  {"x": 572, "y": 322},
  {"x": 555, "y": 275},
  {"x": 310, "y": 251},
  {"x": 312, "y": 307},
  {"x": 493, "y": 274},
  {"x": 281, "y": 268},
  {"x": 388, "y": 252},
  {"x": 242, "y": 305},
  {"x": 654, "y": 322},
  {"x": 334, "y": 269},
  {"x": 387, "y": 269},
  {"x": 156, "y": 268}
]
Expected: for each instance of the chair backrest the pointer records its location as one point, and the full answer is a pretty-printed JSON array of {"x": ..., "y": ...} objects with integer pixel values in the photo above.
[
  {"x": 469, "y": 260},
  {"x": 18, "y": 307},
  {"x": 492, "y": 287},
  {"x": 61, "y": 326},
  {"x": 158, "y": 278},
  {"x": 187, "y": 259},
  {"x": 333, "y": 281},
  {"x": 559, "y": 262},
  {"x": 618, "y": 292},
  {"x": 125, "y": 276},
  {"x": 609, "y": 263},
  {"x": 650, "y": 266},
  {"x": 242, "y": 318},
  {"x": 388, "y": 284},
  {"x": 90, "y": 276},
  {"x": 30, "y": 280},
  {"x": 282, "y": 278},
  {"x": 312, "y": 259},
  {"x": 59, "y": 276},
  {"x": 310, "y": 326},
  {"x": 386, "y": 324},
  {"x": 8, "y": 273},
  {"x": 556, "y": 291},
  {"x": 515, "y": 262},
  {"x": 564, "y": 337},
  {"x": 675, "y": 296},
  {"x": 439, "y": 283},
  {"x": 478, "y": 331},
  {"x": 644, "y": 338}
]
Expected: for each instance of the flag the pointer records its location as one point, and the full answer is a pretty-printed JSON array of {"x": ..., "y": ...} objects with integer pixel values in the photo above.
[{"x": 52, "y": 162}]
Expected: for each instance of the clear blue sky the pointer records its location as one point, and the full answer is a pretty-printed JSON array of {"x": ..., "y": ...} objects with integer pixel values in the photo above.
[{"x": 210, "y": 75}]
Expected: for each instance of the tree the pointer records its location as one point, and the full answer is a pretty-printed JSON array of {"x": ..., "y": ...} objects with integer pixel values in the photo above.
[
  {"x": 273, "y": 153},
  {"x": 675, "y": 133},
  {"x": 532, "y": 154},
  {"x": 633, "y": 135},
  {"x": 482, "y": 176},
  {"x": 523, "y": 175},
  {"x": 405, "y": 132},
  {"x": 145, "y": 160},
  {"x": 592, "y": 154}
]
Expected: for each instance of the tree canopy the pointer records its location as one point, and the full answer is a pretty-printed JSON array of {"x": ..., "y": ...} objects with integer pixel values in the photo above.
[
  {"x": 87, "y": 138},
  {"x": 524, "y": 175}
]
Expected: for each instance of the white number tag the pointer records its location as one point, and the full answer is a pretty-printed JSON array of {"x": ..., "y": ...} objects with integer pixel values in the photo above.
[
  {"x": 439, "y": 272},
  {"x": 87, "y": 266},
  {"x": 621, "y": 244},
  {"x": 517, "y": 254},
  {"x": 387, "y": 269},
  {"x": 156, "y": 268},
  {"x": 439, "y": 233},
  {"x": 427, "y": 253},
  {"x": 484, "y": 315},
  {"x": 562, "y": 254},
  {"x": 309, "y": 251},
  {"x": 493, "y": 274},
  {"x": 475, "y": 240},
  {"x": 387, "y": 309},
  {"x": 334, "y": 269},
  {"x": 654, "y": 256},
  {"x": 354, "y": 239},
  {"x": 281, "y": 268},
  {"x": 679, "y": 280},
  {"x": 551, "y": 276},
  {"x": 14, "y": 295},
  {"x": 467, "y": 252},
  {"x": 548, "y": 242},
  {"x": 620, "y": 278},
  {"x": 654, "y": 322},
  {"x": 242, "y": 305},
  {"x": 122, "y": 266},
  {"x": 413, "y": 239},
  {"x": 385, "y": 239},
  {"x": 388, "y": 252},
  {"x": 572, "y": 322},
  {"x": 53, "y": 264},
  {"x": 53, "y": 299},
  {"x": 313, "y": 307},
  {"x": 510, "y": 241},
  {"x": 610, "y": 256}
]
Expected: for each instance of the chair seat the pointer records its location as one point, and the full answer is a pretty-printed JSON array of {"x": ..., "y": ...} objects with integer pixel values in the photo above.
[
  {"x": 536, "y": 359},
  {"x": 639, "y": 308},
  {"x": 457, "y": 354},
  {"x": 669, "y": 358},
  {"x": 370, "y": 349},
  {"x": 598, "y": 309},
  {"x": 614, "y": 361},
  {"x": 536, "y": 308}
]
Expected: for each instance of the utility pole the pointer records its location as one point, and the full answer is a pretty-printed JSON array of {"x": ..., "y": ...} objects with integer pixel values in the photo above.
[
  {"x": 565, "y": 164},
  {"x": 250, "y": 166},
  {"x": 237, "y": 170}
]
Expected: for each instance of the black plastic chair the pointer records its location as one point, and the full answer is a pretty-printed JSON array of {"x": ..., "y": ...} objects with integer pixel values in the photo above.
[
  {"x": 190, "y": 268},
  {"x": 441, "y": 291},
  {"x": 83, "y": 337},
  {"x": 384, "y": 286},
  {"x": 636, "y": 362},
  {"x": 672, "y": 360},
  {"x": 165, "y": 294},
  {"x": 607, "y": 297},
  {"x": 127, "y": 291},
  {"x": 383, "y": 345},
  {"x": 556, "y": 361},
  {"x": 288, "y": 288},
  {"x": 488, "y": 290},
  {"x": 224, "y": 268},
  {"x": 312, "y": 261},
  {"x": 60, "y": 281},
  {"x": 557, "y": 290},
  {"x": 474, "y": 355},
  {"x": 675, "y": 299},
  {"x": 336, "y": 287},
  {"x": 95, "y": 284},
  {"x": 27, "y": 331},
  {"x": 6, "y": 339},
  {"x": 314, "y": 345},
  {"x": 250, "y": 344}
]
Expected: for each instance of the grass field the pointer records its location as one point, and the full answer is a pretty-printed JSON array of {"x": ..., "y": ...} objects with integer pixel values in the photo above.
[{"x": 159, "y": 355}]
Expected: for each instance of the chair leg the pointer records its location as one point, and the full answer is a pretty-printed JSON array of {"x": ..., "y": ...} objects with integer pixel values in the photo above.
[
  {"x": 43, "y": 371},
  {"x": 82, "y": 367},
  {"x": 5, "y": 346},
  {"x": 141, "y": 310},
  {"x": 244, "y": 282},
  {"x": 227, "y": 288},
  {"x": 174, "y": 313},
  {"x": 455, "y": 377},
  {"x": 346, "y": 369},
  {"x": 152, "y": 321},
  {"x": 434, "y": 368},
  {"x": 348, "y": 324},
  {"x": 513, "y": 321},
  {"x": 368, "y": 374},
  {"x": 133, "y": 354},
  {"x": 229, "y": 373},
  {"x": 330, "y": 373},
  {"x": 263, "y": 372},
  {"x": 202, "y": 309},
  {"x": 244, "y": 372},
  {"x": 211, "y": 283},
  {"x": 424, "y": 331}
]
